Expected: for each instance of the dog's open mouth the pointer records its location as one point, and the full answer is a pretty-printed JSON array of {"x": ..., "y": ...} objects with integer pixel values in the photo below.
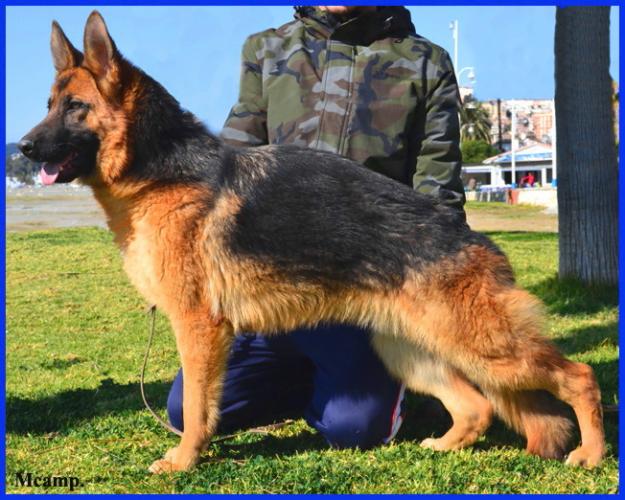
[{"x": 63, "y": 171}]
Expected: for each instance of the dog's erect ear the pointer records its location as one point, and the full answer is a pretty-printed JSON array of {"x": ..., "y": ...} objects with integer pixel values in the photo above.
[
  {"x": 64, "y": 54},
  {"x": 101, "y": 55}
]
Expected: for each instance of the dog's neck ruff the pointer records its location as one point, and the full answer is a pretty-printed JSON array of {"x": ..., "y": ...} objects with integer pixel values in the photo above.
[{"x": 169, "y": 144}]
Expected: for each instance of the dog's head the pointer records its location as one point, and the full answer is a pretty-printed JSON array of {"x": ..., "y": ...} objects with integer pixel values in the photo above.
[{"x": 85, "y": 132}]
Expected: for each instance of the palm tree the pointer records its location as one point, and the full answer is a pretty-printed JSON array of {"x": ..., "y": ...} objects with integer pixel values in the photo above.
[
  {"x": 475, "y": 124},
  {"x": 587, "y": 166}
]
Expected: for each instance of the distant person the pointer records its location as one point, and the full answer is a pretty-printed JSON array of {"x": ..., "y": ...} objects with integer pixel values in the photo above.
[
  {"x": 359, "y": 82},
  {"x": 528, "y": 180}
]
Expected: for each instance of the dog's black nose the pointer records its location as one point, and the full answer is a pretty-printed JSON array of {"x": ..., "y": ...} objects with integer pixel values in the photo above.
[{"x": 26, "y": 146}]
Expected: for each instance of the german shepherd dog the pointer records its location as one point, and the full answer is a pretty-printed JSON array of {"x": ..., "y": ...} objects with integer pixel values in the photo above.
[{"x": 275, "y": 238}]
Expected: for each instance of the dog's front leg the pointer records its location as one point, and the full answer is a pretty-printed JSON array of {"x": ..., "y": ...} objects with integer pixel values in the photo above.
[{"x": 203, "y": 344}]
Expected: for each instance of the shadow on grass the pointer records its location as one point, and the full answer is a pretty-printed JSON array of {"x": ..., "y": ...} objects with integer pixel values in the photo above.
[
  {"x": 425, "y": 417},
  {"x": 65, "y": 410},
  {"x": 571, "y": 297},
  {"x": 588, "y": 338}
]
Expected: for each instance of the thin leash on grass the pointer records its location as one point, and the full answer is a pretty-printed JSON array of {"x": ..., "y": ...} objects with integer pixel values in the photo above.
[{"x": 151, "y": 311}]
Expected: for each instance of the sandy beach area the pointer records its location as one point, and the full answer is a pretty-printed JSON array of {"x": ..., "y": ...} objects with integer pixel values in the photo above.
[{"x": 30, "y": 208}]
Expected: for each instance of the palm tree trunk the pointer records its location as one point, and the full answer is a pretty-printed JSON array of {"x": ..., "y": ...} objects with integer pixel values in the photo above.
[{"x": 587, "y": 165}]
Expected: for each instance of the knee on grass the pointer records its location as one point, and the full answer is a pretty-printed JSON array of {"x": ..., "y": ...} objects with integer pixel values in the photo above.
[{"x": 357, "y": 429}]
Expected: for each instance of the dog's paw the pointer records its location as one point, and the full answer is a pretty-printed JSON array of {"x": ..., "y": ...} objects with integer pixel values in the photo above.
[
  {"x": 433, "y": 444},
  {"x": 172, "y": 454},
  {"x": 174, "y": 461},
  {"x": 585, "y": 456},
  {"x": 162, "y": 466}
]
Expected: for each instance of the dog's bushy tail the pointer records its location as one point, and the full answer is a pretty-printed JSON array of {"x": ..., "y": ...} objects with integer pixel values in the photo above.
[
  {"x": 534, "y": 413},
  {"x": 537, "y": 415}
]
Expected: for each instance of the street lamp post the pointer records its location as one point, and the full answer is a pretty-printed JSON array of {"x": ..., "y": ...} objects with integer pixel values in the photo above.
[
  {"x": 453, "y": 26},
  {"x": 470, "y": 75}
]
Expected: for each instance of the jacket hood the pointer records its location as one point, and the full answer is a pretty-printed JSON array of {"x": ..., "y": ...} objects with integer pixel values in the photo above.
[{"x": 363, "y": 29}]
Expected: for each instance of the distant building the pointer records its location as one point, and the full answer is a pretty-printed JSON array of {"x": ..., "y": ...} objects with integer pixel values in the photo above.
[
  {"x": 542, "y": 124},
  {"x": 465, "y": 92},
  {"x": 534, "y": 121},
  {"x": 497, "y": 170}
]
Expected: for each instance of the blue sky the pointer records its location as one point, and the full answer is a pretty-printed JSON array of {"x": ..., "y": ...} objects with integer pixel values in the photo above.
[{"x": 194, "y": 51}]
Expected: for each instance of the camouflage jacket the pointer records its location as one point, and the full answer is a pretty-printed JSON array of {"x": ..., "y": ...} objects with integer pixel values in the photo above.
[{"x": 369, "y": 89}]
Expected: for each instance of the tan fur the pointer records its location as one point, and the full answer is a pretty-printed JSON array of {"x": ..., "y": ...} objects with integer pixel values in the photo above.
[
  {"x": 161, "y": 240},
  {"x": 538, "y": 416},
  {"x": 422, "y": 372}
]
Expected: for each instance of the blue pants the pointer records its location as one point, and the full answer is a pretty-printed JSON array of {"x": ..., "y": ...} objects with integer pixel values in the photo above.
[{"x": 330, "y": 376}]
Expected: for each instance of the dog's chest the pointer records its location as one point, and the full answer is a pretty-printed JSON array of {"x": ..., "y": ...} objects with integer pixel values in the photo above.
[{"x": 144, "y": 265}]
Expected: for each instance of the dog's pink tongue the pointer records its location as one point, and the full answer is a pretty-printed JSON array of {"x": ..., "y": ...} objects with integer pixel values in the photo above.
[{"x": 49, "y": 173}]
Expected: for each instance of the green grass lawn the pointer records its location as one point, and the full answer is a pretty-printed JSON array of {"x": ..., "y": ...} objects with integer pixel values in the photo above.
[
  {"x": 76, "y": 332},
  {"x": 502, "y": 207}
]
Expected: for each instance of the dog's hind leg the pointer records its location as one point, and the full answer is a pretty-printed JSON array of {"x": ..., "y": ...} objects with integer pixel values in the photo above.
[
  {"x": 421, "y": 372},
  {"x": 495, "y": 338},
  {"x": 537, "y": 415},
  {"x": 470, "y": 410},
  {"x": 546, "y": 427},
  {"x": 203, "y": 345},
  {"x": 522, "y": 363},
  {"x": 577, "y": 386}
]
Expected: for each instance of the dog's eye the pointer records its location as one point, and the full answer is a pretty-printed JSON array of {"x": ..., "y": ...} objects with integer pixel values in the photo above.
[
  {"x": 75, "y": 104},
  {"x": 49, "y": 104}
]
